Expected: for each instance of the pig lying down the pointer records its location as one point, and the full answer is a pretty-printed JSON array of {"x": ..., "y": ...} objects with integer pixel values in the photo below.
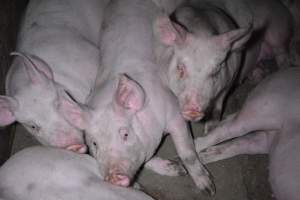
[
  {"x": 44, "y": 173},
  {"x": 57, "y": 56},
  {"x": 131, "y": 108},
  {"x": 268, "y": 123}
]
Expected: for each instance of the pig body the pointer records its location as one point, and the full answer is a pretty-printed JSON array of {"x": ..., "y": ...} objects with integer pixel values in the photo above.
[
  {"x": 268, "y": 123},
  {"x": 50, "y": 173},
  {"x": 129, "y": 111},
  {"x": 57, "y": 55}
]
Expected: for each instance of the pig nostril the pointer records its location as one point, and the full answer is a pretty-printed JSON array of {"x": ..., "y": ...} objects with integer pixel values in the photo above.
[{"x": 118, "y": 179}]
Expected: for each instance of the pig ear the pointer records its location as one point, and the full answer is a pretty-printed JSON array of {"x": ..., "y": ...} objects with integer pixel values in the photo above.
[
  {"x": 129, "y": 95},
  {"x": 38, "y": 71},
  {"x": 235, "y": 39},
  {"x": 168, "y": 32},
  {"x": 8, "y": 105},
  {"x": 71, "y": 110}
]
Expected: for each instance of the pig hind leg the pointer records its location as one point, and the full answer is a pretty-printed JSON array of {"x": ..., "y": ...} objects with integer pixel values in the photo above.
[
  {"x": 247, "y": 120},
  {"x": 253, "y": 143}
]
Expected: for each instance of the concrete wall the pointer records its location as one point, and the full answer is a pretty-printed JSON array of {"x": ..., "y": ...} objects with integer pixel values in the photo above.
[{"x": 10, "y": 13}]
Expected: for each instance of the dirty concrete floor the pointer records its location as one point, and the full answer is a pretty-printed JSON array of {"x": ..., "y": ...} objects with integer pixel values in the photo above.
[{"x": 240, "y": 178}]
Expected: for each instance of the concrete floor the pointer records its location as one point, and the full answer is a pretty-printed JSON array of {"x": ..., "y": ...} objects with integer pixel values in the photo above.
[{"x": 240, "y": 178}]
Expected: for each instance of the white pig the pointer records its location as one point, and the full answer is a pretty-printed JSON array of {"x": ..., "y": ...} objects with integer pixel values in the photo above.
[
  {"x": 200, "y": 66},
  {"x": 200, "y": 57},
  {"x": 268, "y": 123},
  {"x": 44, "y": 173},
  {"x": 128, "y": 113},
  {"x": 57, "y": 55}
]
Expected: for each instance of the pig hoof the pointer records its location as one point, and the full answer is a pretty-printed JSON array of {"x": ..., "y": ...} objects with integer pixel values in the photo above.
[
  {"x": 166, "y": 167},
  {"x": 207, "y": 186},
  {"x": 173, "y": 167},
  {"x": 177, "y": 166}
]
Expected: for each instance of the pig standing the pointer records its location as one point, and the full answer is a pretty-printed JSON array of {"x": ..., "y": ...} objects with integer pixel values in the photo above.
[
  {"x": 127, "y": 114},
  {"x": 199, "y": 68},
  {"x": 44, "y": 173},
  {"x": 57, "y": 56},
  {"x": 271, "y": 119}
]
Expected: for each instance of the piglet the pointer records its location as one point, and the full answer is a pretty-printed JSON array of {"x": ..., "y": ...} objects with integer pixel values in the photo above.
[
  {"x": 268, "y": 123},
  {"x": 131, "y": 108},
  {"x": 200, "y": 57},
  {"x": 49, "y": 173},
  {"x": 202, "y": 43},
  {"x": 57, "y": 57}
]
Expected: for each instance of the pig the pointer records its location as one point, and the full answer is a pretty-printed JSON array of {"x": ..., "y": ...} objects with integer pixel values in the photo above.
[
  {"x": 268, "y": 123},
  {"x": 200, "y": 58},
  {"x": 195, "y": 67},
  {"x": 51, "y": 173},
  {"x": 131, "y": 108},
  {"x": 57, "y": 55}
]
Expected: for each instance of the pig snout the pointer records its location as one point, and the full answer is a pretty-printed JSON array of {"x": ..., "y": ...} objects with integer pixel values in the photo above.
[
  {"x": 78, "y": 148},
  {"x": 118, "y": 179},
  {"x": 191, "y": 110}
]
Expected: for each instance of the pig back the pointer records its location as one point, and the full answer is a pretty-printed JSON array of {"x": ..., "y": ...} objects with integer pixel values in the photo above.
[
  {"x": 49, "y": 173},
  {"x": 65, "y": 35}
]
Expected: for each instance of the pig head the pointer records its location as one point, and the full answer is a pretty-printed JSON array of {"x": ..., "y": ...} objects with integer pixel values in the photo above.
[
  {"x": 119, "y": 145},
  {"x": 36, "y": 102},
  {"x": 199, "y": 51}
]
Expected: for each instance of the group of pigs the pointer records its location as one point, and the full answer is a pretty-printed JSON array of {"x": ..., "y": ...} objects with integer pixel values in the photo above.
[{"x": 112, "y": 77}]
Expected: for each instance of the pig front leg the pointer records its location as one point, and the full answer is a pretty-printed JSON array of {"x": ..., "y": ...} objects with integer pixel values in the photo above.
[
  {"x": 165, "y": 167},
  {"x": 254, "y": 143},
  {"x": 186, "y": 150}
]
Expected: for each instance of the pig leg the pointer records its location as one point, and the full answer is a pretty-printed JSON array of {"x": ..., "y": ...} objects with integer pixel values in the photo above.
[
  {"x": 234, "y": 126},
  {"x": 253, "y": 143},
  {"x": 165, "y": 167},
  {"x": 187, "y": 153}
]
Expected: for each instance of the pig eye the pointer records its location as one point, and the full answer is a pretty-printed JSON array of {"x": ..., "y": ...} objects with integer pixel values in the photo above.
[
  {"x": 95, "y": 144},
  {"x": 124, "y": 133},
  {"x": 33, "y": 127},
  {"x": 181, "y": 70}
]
